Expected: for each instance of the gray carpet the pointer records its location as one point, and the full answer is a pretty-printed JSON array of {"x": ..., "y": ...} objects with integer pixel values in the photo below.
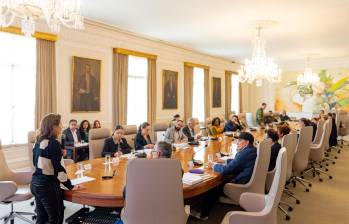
[{"x": 327, "y": 202}]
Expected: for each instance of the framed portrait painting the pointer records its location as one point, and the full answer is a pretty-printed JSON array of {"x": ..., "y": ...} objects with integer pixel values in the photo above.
[
  {"x": 169, "y": 90},
  {"x": 216, "y": 92},
  {"x": 86, "y": 85}
]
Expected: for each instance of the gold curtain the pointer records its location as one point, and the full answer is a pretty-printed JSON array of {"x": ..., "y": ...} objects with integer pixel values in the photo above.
[
  {"x": 207, "y": 93},
  {"x": 188, "y": 91},
  {"x": 151, "y": 90},
  {"x": 227, "y": 94},
  {"x": 120, "y": 77},
  {"x": 45, "y": 79}
]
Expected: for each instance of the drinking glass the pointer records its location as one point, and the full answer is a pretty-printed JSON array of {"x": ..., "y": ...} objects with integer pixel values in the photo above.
[{"x": 107, "y": 158}]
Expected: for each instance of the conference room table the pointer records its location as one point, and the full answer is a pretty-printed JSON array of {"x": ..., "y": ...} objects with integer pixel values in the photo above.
[{"x": 109, "y": 192}]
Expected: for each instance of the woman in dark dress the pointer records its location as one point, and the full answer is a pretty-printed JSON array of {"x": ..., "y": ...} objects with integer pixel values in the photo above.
[
  {"x": 116, "y": 145},
  {"x": 275, "y": 148},
  {"x": 142, "y": 140},
  {"x": 84, "y": 129},
  {"x": 334, "y": 135},
  {"x": 49, "y": 174}
]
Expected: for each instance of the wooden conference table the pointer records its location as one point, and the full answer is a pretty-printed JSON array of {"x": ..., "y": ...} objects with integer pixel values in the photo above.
[{"x": 109, "y": 192}]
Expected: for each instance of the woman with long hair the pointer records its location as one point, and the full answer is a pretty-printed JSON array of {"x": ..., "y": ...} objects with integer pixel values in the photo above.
[
  {"x": 142, "y": 139},
  {"x": 84, "y": 129},
  {"x": 116, "y": 145},
  {"x": 96, "y": 124},
  {"x": 49, "y": 174}
]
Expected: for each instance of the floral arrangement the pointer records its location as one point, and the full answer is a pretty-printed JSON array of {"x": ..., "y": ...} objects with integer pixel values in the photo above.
[{"x": 327, "y": 93}]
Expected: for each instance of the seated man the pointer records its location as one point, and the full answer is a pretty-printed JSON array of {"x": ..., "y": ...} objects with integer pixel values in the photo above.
[
  {"x": 164, "y": 151},
  {"x": 240, "y": 169},
  {"x": 189, "y": 130},
  {"x": 284, "y": 116},
  {"x": 233, "y": 124},
  {"x": 175, "y": 134},
  {"x": 70, "y": 137},
  {"x": 270, "y": 118}
]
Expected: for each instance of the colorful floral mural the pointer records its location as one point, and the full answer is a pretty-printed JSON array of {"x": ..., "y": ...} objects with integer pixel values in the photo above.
[{"x": 332, "y": 91}]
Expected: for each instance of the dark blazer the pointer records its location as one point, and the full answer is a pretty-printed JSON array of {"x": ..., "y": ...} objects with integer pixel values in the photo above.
[
  {"x": 68, "y": 138},
  {"x": 110, "y": 147},
  {"x": 84, "y": 135},
  {"x": 334, "y": 135},
  {"x": 241, "y": 167},
  {"x": 284, "y": 117},
  {"x": 140, "y": 141},
  {"x": 275, "y": 148},
  {"x": 186, "y": 131},
  {"x": 231, "y": 126}
]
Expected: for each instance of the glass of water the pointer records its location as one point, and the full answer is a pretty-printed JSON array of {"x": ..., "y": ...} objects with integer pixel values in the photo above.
[{"x": 107, "y": 159}]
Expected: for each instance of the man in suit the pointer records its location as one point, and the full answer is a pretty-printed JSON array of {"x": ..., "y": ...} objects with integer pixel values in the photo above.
[
  {"x": 233, "y": 124},
  {"x": 87, "y": 90},
  {"x": 260, "y": 114},
  {"x": 239, "y": 170},
  {"x": 175, "y": 134},
  {"x": 70, "y": 137},
  {"x": 188, "y": 130}
]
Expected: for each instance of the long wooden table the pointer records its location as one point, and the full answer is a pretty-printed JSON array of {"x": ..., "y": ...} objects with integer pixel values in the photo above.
[{"x": 109, "y": 192}]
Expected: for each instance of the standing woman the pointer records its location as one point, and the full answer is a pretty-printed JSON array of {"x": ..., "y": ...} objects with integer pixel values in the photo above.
[
  {"x": 49, "y": 173},
  {"x": 142, "y": 140},
  {"x": 84, "y": 128}
]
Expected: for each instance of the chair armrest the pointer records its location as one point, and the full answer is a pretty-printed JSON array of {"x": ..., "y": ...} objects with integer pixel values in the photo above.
[
  {"x": 22, "y": 177},
  {"x": 234, "y": 191},
  {"x": 252, "y": 202},
  {"x": 7, "y": 189},
  {"x": 246, "y": 217}
]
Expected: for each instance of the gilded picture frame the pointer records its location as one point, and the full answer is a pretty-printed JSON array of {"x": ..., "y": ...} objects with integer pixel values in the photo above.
[
  {"x": 169, "y": 90},
  {"x": 216, "y": 92},
  {"x": 86, "y": 84}
]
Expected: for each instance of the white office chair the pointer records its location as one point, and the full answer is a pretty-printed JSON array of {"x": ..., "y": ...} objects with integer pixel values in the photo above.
[
  {"x": 301, "y": 157},
  {"x": 260, "y": 208},
  {"x": 159, "y": 129},
  {"x": 317, "y": 153},
  {"x": 257, "y": 181},
  {"x": 96, "y": 141},
  {"x": 14, "y": 187},
  {"x": 154, "y": 193},
  {"x": 250, "y": 120}
]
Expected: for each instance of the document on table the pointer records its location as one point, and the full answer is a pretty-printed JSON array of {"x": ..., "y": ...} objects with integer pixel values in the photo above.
[
  {"x": 193, "y": 178},
  {"x": 82, "y": 180}
]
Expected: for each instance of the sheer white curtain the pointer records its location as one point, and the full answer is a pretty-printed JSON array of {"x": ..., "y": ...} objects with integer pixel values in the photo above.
[
  {"x": 235, "y": 94},
  {"x": 198, "y": 94},
  {"x": 137, "y": 90},
  {"x": 17, "y": 87}
]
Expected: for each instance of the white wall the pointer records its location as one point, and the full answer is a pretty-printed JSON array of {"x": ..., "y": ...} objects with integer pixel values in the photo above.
[{"x": 97, "y": 41}]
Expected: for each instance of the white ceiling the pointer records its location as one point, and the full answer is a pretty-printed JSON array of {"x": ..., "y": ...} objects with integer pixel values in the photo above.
[{"x": 221, "y": 27}]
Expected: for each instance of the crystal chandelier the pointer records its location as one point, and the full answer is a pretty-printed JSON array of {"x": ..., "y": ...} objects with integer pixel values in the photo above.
[
  {"x": 55, "y": 12},
  {"x": 308, "y": 77},
  {"x": 260, "y": 66}
]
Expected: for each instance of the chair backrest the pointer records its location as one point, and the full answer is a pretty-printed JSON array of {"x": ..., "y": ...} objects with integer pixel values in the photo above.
[
  {"x": 250, "y": 120},
  {"x": 318, "y": 154},
  {"x": 319, "y": 131},
  {"x": 130, "y": 134},
  {"x": 30, "y": 145},
  {"x": 257, "y": 181},
  {"x": 273, "y": 198},
  {"x": 289, "y": 142},
  {"x": 159, "y": 129},
  {"x": 154, "y": 192},
  {"x": 301, "y": 157},
  {"x": 5, "y": 172},
  {"x": 327, "y": 142},
  {"x": 96, "y": 141}
]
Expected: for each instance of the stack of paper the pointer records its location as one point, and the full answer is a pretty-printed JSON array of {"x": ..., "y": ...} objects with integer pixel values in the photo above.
[
  {"x": 181, "y": 145},
  {"x": 82, "y": 180},
  {"x": 191, "y": 178}
]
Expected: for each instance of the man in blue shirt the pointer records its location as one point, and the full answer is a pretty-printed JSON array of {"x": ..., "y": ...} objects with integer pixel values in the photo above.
[{"x": 238, "y": 170}]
